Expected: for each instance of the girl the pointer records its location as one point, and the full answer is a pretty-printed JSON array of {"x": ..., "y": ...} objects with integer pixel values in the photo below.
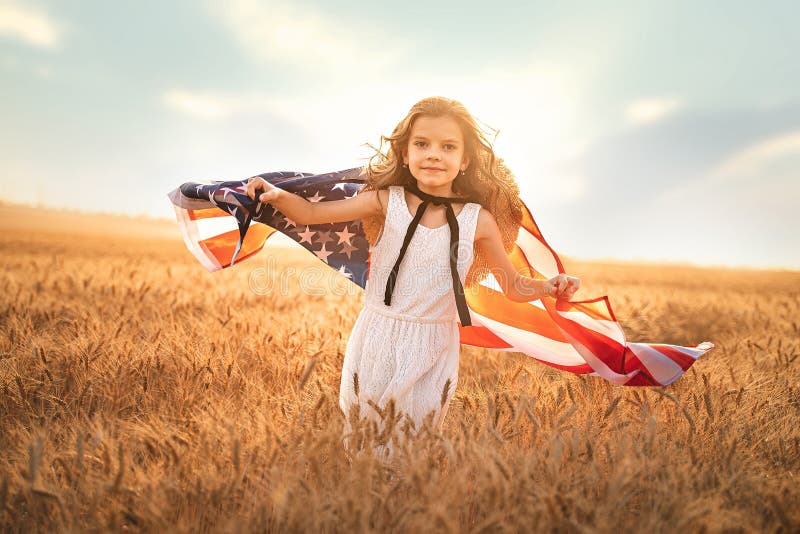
[{"x": 440, "y": 211}]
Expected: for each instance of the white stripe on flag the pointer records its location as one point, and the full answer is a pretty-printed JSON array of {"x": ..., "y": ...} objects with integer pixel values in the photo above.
[
  {"x": 598, "y": 365},
  {"x": 663, "y": 369},
  {"x": 214, "y": 226},
  {"x": 693, "y": 352},
  {"x": 191, "y": 239},
  {"x": 609, "y": 329},
  {"x": 538, "y": 255},
  {"x": 534, "y": 345}
]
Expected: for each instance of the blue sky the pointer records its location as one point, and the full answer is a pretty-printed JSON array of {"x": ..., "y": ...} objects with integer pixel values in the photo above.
[{"x": 637, "y": 130}]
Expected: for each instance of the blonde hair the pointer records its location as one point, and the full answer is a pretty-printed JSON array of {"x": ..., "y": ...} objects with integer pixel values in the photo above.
[{"x": 486, "y": 181}]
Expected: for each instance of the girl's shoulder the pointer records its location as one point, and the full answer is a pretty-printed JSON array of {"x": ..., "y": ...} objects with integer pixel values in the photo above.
[
  {"x": 486, "y": 224},
  {"x": 386, "y": 193},
  {"x": 383, "y": 198}
]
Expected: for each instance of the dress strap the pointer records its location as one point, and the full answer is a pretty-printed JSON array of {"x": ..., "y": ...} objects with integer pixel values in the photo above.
[{"x": 470, "y": 225}]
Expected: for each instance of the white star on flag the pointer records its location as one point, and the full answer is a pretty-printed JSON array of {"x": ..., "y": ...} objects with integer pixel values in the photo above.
[
  {"x": 340, "y": 185},
  {"x": 348, "y": 249},
  {"x": 344, "y": 236},
  {"x": 324, "y": 237},
  {"x": 308, "y": 235},
  {"x": 323, "y": 254},
  {"x": 344, "y": 272},
  {"x": 316, "y": 198},
  {"x": 289, "y": 222}
]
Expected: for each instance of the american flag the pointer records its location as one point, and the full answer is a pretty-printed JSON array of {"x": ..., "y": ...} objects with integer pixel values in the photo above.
[{"x": 222, "y": 226}]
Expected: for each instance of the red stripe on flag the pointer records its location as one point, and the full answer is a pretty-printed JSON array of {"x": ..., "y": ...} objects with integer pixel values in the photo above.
[
  {"x": 599, "y": 308},
  {"x": 642, "y": 379},
  {"x": 222, "y": 246},
  {"x": 207, "y": 213},
  {"x": 480, "y": 336},
  {"x": 605, "y": 349},
  {"x": 523, "y": 315},
  {"x": 681, "y": 358}
]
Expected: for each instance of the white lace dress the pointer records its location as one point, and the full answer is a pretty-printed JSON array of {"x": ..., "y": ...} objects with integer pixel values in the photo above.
[{"x": 408, "y": 350}]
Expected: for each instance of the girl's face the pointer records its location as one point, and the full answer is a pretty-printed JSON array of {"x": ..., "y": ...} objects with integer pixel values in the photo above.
[{"x": 435, "y": 153}]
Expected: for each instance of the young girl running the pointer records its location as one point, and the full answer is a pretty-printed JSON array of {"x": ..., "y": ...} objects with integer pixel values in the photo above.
[{"x": 439, "y": 210}]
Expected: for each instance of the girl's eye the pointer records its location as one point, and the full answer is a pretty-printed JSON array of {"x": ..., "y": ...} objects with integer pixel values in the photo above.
[{"x": 422, "y": 144}]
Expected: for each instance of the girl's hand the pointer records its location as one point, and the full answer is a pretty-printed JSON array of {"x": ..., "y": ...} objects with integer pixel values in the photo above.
[
  {"x": 256, "y": 184},
  {"x": 562, "y": 286}
]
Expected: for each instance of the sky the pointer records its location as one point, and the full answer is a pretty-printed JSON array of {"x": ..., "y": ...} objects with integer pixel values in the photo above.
[{"x": 637, "y": 130}]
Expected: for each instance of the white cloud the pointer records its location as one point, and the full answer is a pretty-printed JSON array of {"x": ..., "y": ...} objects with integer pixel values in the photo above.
[
  {"x": 198, "y": 105},
  {"x": 296, "y": 35},
  {"x": 758, "y": 156},
  {"x": 649, "y": 110},
  {"x": 758, "y": 182},
  {"x": 30, "y": 25},
  {"x": 213, "y": 106}
]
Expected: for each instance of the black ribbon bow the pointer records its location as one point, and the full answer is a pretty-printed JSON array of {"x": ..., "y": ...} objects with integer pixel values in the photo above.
[{"x": 452, "y": 222}]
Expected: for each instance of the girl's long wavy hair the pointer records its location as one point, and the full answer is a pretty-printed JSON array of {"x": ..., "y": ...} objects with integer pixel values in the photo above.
[{"x": 486, "y": 181}]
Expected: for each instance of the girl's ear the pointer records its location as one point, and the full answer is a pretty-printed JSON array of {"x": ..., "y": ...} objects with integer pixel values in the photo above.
[{"x": 465, "y": 161}]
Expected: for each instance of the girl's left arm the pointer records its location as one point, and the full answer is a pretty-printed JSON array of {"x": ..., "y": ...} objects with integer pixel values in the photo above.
[{"x": 516, "y": 286}]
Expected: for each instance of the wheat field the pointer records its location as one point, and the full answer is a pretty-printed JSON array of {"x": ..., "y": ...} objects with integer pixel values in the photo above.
[{"x": 140, "y": 393}]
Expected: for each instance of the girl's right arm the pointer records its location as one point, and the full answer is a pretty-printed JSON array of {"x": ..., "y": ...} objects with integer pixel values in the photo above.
[{"x": 301, "y": 211}]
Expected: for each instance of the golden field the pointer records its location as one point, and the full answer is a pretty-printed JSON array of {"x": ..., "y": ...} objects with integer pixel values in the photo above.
[{"x": 141, "y": 393}]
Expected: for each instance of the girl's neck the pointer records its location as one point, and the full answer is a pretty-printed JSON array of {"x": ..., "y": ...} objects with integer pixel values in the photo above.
[{"x": 444, "y": 190}]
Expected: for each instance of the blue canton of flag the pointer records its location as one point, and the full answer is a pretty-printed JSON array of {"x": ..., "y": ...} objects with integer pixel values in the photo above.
[{"x": 342, "y": 246}]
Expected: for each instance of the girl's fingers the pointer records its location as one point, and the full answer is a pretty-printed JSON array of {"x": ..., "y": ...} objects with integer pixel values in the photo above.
[
  {"x": 572, "y": 286},
  {"x": 553, "y": 289},
  {"x": 555, "y": 282},
  {"x": 576, "y": 284},
  {"x": 254, "y": 185},
  {"x": 564, "y": 286},
  {"x": 563, "y": 283},
  {"x": 550, "y": 289},
  {"x": 251, "y": 189}
]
